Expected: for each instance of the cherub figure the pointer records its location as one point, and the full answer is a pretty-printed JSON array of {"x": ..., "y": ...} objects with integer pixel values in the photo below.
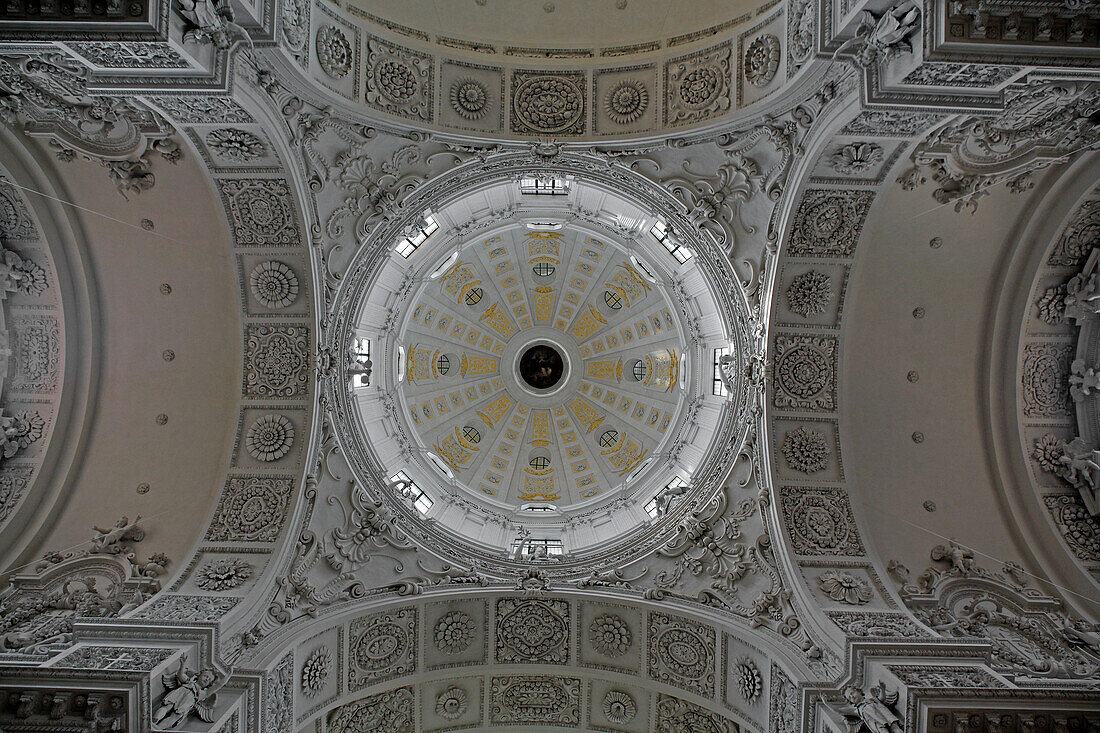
[
  {"x": 1083, "y": 297},
  {"x": 961, "y": 558},
  {"x": 109, "y": 541},
  {"x": 1080, "y": 464},
  {"x": 664, "y": 499},
  {"x": 886, "y": 36},
  {"x": 189, "y": 692},
  {"x": 211, "y": 21},
  {"x": 873, "y": 711}
]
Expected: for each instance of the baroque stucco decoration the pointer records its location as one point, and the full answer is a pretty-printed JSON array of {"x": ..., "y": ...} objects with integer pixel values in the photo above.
[{"x": 344, "y": 582}]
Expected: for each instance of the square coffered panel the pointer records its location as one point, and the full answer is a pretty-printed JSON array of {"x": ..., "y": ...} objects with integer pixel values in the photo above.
[
  {"x": 471, "y": 96},
  {"x": 624, "y": 99}
]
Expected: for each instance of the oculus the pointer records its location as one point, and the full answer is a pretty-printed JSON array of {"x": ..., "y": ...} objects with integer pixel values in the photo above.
[{"x": 541, "y": 366}]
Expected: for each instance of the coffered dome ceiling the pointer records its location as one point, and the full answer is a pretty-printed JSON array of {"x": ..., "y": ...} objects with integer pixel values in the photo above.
[
  {"x": 542, "y": 359},
  {"x": 542, "y": 366},
  {"x": 493, "y": 364}
]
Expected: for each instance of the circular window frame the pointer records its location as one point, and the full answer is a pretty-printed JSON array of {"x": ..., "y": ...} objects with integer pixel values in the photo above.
[{"x": 480, "y": 293}]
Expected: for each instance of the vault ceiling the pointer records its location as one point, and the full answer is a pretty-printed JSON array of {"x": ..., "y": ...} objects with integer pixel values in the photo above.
[{"x": 588, "y": 366}]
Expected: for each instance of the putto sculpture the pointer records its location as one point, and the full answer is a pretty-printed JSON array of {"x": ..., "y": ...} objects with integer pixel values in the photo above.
[{"x": 189, "y": 692}]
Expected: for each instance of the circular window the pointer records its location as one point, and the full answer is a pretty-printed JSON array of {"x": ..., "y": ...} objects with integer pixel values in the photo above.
[
  {"x": 543, "y": 269},
  {"x": 540, "y": 463},
  {"x": 443, "y": 364},
  {"x": 608, "y": 438},
  {"x": 474, "y": 296},
  {"x": 614, "y": 302},
  {"x": 638, "y": 370},
  {"x": 471, "y": 434}
]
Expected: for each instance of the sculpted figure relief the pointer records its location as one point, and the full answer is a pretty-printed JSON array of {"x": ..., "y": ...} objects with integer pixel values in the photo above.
[
  {"x": 211, "y": 22},
  {"x": 1080, "y": 464},
  {"x": 189, "y": 692},
  {"x": 884, "y": 37},
  {"x": 1083, "y": 297},
  {"x": 111, "y": 540},
  {"x": 870, "y": 712}
]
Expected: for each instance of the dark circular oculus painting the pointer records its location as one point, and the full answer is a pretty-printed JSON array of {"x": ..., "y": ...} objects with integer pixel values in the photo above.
[{"x": 541, "y": 366}]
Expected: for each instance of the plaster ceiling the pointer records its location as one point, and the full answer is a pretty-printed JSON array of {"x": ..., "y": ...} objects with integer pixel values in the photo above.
[
  {"x": 166, "y": 355},
  {"x": 508, "y": 433},
  {"x": 565, "y": 23}
]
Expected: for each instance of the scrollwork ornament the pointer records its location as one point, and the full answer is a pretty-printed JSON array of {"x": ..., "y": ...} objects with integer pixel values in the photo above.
[
  {"x": 334, "y": 52},
  {"x": 762, "y": 60}
]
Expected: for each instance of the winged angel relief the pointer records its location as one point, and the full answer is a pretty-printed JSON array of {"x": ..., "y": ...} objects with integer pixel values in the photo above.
[{"x": 189, "y": 692}]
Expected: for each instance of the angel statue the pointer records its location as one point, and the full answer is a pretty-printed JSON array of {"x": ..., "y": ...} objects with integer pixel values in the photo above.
[
  {"x": 211, "y": 21},
  {"x": 884, "y": 37},
  {"x": 873, "y": 711},
  {"x": 189, "y": 692},
  {"x": 109, "y": 541}
]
